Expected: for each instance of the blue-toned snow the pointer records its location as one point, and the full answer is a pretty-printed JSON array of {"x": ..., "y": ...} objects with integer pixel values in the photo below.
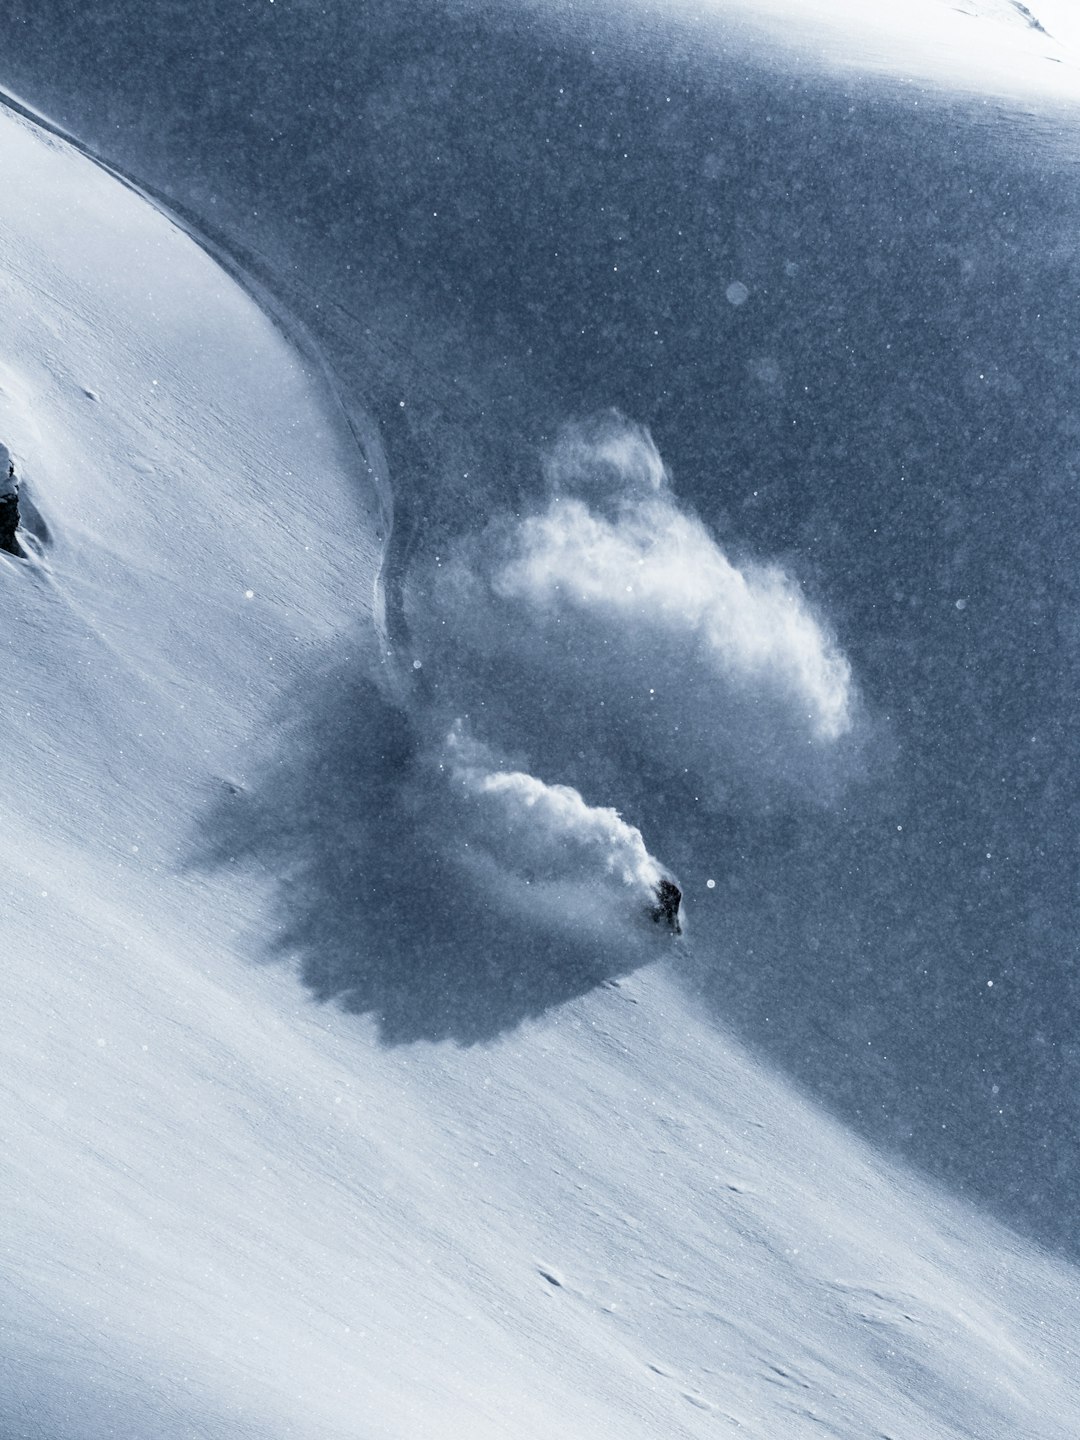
[{"x": 409, "y": 641}]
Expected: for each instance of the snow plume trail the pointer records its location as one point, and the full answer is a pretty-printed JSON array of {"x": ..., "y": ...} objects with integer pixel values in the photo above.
[
  {"x": 542, "y": 849},
  {"x": 481, "y": 828},
  {"x": 536, "y": 811},
  {"x": 611, "y": 625},
  {"x": 626, "y": 551},
  {"x": 426, "y": 879}
]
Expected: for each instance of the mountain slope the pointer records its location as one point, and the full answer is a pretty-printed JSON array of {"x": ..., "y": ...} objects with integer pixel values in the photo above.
[{"x": 231, "y": 1211}]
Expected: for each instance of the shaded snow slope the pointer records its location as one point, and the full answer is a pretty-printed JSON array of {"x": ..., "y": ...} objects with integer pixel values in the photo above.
[
  {"x": 842, "y": 299},
  {"x": 230, "y": 1212}
]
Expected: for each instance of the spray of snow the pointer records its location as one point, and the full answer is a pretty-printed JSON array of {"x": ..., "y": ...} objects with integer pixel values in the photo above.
[
  {"x": 655, "y": 569},
  {"x": 614, "y": 614},
  {"x": 548, "y": 832}
]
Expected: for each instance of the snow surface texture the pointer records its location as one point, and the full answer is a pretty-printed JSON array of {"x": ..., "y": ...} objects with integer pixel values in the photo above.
[{"x": 229, "y": 1213}]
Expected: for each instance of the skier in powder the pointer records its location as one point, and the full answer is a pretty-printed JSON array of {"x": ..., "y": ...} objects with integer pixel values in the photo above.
[{"x": 666, "y": 909}]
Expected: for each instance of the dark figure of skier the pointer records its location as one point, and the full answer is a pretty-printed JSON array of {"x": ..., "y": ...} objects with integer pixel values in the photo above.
[{"x": 666, "y": 909}]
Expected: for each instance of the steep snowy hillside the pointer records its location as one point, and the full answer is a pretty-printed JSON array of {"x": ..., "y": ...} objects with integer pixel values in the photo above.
[
  {"x": 987, "y": 47},
  {"x": 823, "y": 256},
  {"x": 231, "y": 1211}
]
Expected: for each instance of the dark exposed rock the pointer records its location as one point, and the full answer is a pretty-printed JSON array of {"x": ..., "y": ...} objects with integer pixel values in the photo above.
[
  {"x": 9, "y": 521},
  {"x": 666, "y": 909}
]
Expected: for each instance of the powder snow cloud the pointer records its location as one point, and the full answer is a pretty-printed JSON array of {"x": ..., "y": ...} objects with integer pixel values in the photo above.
[
  {"x": 608, "y": 629},
  {"x": 542, "y": 863},
  {"x": 546, "y": 833}
]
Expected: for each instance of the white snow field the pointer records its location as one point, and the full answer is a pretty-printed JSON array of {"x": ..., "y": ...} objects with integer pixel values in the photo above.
[
  {"x": 1004, "y": 48},
  {"x": 231, "y": 1211}
]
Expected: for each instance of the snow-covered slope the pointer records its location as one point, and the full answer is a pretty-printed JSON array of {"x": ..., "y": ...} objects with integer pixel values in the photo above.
[
  {"x": 1000, "y": 48},
  {"x": 230, "y": 1211}
]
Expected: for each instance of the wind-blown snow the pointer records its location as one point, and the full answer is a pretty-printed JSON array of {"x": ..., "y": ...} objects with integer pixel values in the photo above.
[
  {"x": 658, "y": 573},
  {"x": 546, "y": 838},
  {"x": 613, "y": 606},
  {"x": 532, "y": 808},
  {"x": 662, "y": 575}
]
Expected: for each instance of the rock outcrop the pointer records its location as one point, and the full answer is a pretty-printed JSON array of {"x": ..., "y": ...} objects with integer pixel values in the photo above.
[{"x": 9, "y": 512}]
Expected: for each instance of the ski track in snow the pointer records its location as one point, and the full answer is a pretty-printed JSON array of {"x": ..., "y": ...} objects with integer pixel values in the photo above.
[
  {"x": 245, "y": 271},
  {"x": 230, "y": 1212}
]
